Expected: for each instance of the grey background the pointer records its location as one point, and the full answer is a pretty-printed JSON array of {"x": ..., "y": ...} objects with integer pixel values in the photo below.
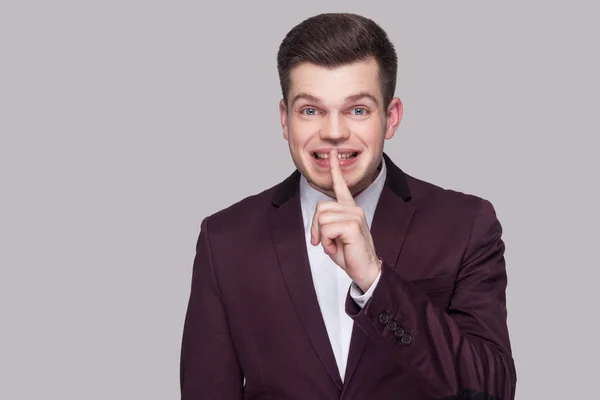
[{"x": 124, "y": 123}]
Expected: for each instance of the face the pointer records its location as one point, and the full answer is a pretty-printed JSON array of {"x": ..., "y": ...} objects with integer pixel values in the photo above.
[{"x": 338, "y": 108}]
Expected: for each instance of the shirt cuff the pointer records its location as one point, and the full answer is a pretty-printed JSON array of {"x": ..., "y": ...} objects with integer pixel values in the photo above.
[{"x": 359, "y": 297}]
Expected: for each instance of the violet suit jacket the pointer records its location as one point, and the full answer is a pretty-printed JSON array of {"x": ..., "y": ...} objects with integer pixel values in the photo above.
[{"x": 434, "y": 328}]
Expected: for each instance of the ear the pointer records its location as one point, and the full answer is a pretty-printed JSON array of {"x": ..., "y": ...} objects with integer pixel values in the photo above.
[
  {"x": 394, "y": 115},
  {"x": 283, "y": 117}
]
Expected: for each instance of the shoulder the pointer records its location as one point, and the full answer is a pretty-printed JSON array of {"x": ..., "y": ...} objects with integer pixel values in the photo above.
[
  {"x": 429, "y": 196},
  {"x": 446, "y": 215},
  {"x": 242, "y": 216}
]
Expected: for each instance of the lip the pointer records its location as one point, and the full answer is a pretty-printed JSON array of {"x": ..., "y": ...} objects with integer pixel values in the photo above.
[
  {"x": 324, "y": 164},
  {"x": 340, "y": 150}
]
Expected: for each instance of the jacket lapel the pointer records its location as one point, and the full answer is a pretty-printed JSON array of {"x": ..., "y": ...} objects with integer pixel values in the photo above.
[
  {"x": 287, "y": 232},
  {"x": 391, "y": 221}
]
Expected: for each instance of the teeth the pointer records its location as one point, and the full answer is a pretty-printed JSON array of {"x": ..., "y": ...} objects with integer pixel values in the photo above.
[{"x": 341, "y": 156}]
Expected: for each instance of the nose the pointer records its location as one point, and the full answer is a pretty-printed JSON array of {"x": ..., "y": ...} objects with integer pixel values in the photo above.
[{"x": 334, "y": 129}]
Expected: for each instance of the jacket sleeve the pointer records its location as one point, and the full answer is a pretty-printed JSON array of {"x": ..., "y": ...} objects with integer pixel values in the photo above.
[
  {"x": 209, "y": 368},
  {"x": 462, "y": 352}
]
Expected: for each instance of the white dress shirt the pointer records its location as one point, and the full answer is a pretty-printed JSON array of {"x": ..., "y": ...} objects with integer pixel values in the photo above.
[{"x": 331, "y": 282}]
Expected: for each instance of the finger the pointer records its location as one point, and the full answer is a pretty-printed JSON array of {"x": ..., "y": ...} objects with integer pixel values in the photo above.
[
  {"x": 329, "y": 217},
  {"x": 342, "y": 193},
  {"x": 330, "y": 248},
  {"x": 328, "y": 235},
  {"x": 343, "y": 224},
  {"x": 322, "y": 207},
  {"x": 331, "y": 233}
]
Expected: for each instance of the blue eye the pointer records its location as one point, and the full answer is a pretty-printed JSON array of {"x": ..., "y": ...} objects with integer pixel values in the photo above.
[
  {"x": 309, "y": 111},
  {"x": 361, "y": 111}
]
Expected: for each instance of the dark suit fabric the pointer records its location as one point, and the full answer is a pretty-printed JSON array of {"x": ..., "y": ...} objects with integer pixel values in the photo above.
[{"x": 434, "y": 328}]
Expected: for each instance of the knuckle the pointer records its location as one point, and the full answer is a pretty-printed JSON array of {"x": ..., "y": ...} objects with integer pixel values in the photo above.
[
  {"x": 321, "y": 219},
  {"x": 318, "y": 208}
]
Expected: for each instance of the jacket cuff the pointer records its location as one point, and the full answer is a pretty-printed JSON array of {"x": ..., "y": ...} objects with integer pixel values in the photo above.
[{"x": 382, "y": 317}]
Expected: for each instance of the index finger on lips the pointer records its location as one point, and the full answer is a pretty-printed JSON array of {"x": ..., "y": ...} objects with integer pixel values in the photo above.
[{"x": 342, "y": 193}]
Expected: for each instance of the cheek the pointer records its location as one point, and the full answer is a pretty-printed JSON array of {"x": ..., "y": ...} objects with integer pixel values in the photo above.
[
  {"x": 300, "y": 133},
  {"x": 369, "y": 131}
]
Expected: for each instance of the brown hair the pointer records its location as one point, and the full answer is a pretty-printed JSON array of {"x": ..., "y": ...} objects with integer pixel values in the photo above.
[{"x": 334, "y": 39}]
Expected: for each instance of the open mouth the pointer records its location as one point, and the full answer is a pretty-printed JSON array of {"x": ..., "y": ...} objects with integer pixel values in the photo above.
[{"x": 341, "y": 156}]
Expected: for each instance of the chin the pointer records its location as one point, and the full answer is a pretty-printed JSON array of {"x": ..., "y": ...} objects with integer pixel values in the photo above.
[{"x": 326, "y": 184}]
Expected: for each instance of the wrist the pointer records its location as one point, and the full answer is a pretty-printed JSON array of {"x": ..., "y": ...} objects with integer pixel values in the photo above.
[{"x": 365, "y": 283}]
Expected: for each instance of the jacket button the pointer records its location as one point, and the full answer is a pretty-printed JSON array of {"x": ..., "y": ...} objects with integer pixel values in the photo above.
[
  {"x": 384, "y": 317},
  {"x": 399, "y": 332},
  {"x": 406, "y": 338},
  {"x": 392, "y": 325}
]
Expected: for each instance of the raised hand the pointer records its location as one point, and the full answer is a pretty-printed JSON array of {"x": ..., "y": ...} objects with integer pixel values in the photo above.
[{"x": 341, "y": 227}]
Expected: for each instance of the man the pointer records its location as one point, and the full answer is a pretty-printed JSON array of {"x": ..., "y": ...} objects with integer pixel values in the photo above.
[{"x": 350, "y": 279}]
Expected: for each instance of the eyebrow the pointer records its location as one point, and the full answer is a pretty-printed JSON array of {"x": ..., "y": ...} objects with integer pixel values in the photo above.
[{"x": 348, "y": 99}]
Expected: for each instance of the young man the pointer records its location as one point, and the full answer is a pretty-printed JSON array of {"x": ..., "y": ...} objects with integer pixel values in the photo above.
[{"x": 350, "y": 279}]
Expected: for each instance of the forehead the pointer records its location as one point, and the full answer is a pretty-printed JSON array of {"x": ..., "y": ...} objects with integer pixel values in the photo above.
[{"x": 335, "y": 84}]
